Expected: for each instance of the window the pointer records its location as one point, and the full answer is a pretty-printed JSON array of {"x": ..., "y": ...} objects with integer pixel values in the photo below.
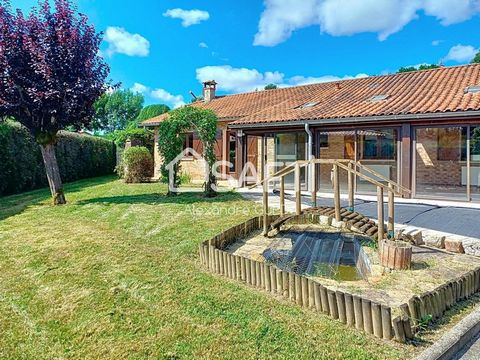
[
  {"x": 232, "y": 152},
  {"x": 377, "y": 98},
  {"x": 323, "y": 141},
  {"x": 450, "y": 142},
  {"x": 378, "y": 144},
  {"x": 188, "y": 141},
  {"x": 472, "y": 89}
]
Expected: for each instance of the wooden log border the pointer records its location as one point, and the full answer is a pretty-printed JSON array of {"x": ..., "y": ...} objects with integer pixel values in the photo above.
[{"x": 353, "y": 310}]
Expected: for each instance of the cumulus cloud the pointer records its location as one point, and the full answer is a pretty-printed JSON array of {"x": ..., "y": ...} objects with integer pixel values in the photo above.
[
  {"x": 238, "y": 80},
  {"x": 302, "y": 80},
  {"x": 188, "y": 17},
  {"x": 139, "y": 88},
  {"x": 461, "y": 53},
  {"x": 122, "y": 42},
  {"x": 347, "y": 17},
  {"x": 164, "y": 95}
]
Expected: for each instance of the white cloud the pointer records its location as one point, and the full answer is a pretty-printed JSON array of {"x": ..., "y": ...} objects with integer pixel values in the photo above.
[
  {"x": 302, "y": 80},
  {"x": 461, "y": 53},
  {"x": 203, "y": 45},
  {"x": 238, "y": 80},
  {"x": 121, "y": 41},
  {"x": 188, "y": 17},
  {"x": 347, "y": 17},
  {"x": 163, "y": 95},
  {"x": 436, "y": 42},
  {"x": 139, "y": 88}
]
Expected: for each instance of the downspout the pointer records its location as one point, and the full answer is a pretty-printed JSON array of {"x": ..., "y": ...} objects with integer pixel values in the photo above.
[{"x": 310, "y": 157}]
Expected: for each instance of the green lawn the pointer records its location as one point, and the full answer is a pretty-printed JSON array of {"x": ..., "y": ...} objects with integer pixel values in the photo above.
[{"x": 115, "y": 274}]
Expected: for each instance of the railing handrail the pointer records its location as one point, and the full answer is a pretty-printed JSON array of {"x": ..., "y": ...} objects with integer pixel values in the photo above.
[
  {"x": 281, "y": 173},
  {"x": 380, "y": 176},
  {"x": 368, "y": 178}
]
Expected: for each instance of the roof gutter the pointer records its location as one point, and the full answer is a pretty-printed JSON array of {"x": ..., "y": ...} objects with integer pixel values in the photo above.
[{"x": 361, "y": 119}]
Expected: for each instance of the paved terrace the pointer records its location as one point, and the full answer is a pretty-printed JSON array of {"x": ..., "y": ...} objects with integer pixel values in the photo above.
[{"x": 462, "y": 220}]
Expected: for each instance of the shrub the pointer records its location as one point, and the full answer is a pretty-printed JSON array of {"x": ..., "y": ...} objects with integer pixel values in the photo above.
[
  {"x": 138, "y": 164},
  {"x": 21, "y": 166},
  {"x": 138, "y": 136}
]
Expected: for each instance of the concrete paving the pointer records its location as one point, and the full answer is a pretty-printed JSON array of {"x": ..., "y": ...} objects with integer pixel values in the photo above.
[
  {"x": 471, "y": 351},
  {"x": 449, "y": 219}
]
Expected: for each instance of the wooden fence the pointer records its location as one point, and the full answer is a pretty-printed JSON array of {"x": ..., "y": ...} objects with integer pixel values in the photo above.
[{"x": 353, "y": 310}]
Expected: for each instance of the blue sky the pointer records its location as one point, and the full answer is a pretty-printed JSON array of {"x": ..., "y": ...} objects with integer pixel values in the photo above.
[{"x": 164, "y": 48}]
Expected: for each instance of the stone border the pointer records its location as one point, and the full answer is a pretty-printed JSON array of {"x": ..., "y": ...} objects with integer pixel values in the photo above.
[
  {"x": 453, "y": 341},
  {"x": 353, "y": 310}
]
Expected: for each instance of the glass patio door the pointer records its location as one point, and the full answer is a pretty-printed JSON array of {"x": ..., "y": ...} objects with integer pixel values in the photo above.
[
  {"x": 475, "y": 163},
  {"x": 377, "y": 149},
  {"x": 290, "y": 147},
  {"x": 441, "y": 166}
]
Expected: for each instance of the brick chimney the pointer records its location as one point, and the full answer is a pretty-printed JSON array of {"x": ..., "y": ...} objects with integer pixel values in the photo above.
[{"x": 209, "y": 88}]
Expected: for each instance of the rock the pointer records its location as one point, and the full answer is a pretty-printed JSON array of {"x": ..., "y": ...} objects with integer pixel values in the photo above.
[
  {"x": 413, "y": 236},
  {"x": 454, "y": 245},
  {"x": 434, "y": 240},
  {"x": 338, "y": 224},
  {"x": 471, "y": 246},
  {"x": 325, "y": 220}
]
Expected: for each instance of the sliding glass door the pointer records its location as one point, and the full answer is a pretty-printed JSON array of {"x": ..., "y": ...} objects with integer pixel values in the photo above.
[
  {"x": 290, "y": 147},
  {"x": 441, "y": 163},
  {"x": 378, "y": 151},
  {"x": 475, "y": 163}
]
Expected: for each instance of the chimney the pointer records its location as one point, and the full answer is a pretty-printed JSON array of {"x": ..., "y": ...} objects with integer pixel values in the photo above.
[{"x": 209, "y": 88}]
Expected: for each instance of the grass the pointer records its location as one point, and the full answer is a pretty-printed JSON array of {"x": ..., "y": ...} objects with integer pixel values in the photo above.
[{"x": 115, "y": 274}]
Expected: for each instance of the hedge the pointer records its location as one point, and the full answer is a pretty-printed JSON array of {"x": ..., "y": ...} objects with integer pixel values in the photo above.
[{"x": 79, "y": 156}]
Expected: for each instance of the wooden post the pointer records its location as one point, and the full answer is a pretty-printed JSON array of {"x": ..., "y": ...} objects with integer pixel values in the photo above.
[
  {"x": 391, "y": 212},
  {"x": 285, "y": 284},
  {"x": 282, "y": 195},
  {"x": 291, "y": 286},
  {"x": 311, "y": 294},
  {"x": 367, "y": 316},
  {"x": 336, "y": 187},
  {"x": 313, "y": 169},
  {"x": 351, "y": 189},
  {"x": 298, "y": 289},
  {"x": 342, "y": 315},
  {"x": 398, "y": 330},
  {"x": 317, "y": 296},
  {"x": 258, "y": 276},
  {"x": 377, "y": 320},
  {"x": 349, "y": 310},
  {"x": 332, "y": 304},
  {"x": 273, "y": 279},
  {"x": 266, "y": 275},
  {"x": 265, "y": 208},
  {"x": 324, "y": 300},
  {"x": 305, "y": 292},
  {"x": 357, "y": 307},
  {"x": 386, "y": 323},
  {"x": 298, "y": 189},
  {"x": 381, "y": 228}
]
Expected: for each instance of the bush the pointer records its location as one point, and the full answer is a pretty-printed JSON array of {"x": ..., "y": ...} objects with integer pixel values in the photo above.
[
  {"x": 138, "y": 137},
  {"x": 21, "y": 165},
  {"x": 137, "y": 164}
]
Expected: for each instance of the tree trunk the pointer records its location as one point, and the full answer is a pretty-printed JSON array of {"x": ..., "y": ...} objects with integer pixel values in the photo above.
[{"x": 53, "y": 174}]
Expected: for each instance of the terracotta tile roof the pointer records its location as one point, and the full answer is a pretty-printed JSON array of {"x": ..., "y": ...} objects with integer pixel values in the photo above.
[{"x": 439, "y": 90}]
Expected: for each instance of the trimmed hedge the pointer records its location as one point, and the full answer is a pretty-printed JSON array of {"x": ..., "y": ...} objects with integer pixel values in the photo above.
[{"x": 21, "y": 165}]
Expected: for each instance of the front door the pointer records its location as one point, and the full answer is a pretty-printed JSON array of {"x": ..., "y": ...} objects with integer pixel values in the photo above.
[{"x": 290, "y": 147}]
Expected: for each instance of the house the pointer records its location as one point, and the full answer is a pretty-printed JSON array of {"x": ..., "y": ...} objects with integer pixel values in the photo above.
[{"x": 420, "y": 129}]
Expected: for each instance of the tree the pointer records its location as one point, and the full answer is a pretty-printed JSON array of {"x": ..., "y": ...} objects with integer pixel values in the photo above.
[
  {"x": 476, "y": 59},
  {"x": 170, "y": 142},
  {"x": 270, "y": 87},
  {"x": 417, "y": 68},
  {"x": 50, "y": 75},
  {"x": 115, "y": 110},
  {"x": 151, "y": 111}
]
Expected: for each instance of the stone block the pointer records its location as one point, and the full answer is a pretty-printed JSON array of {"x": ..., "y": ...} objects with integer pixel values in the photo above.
[
  {"x": 338, "y": 224},
  {"x": 454, "y": 245},
  {"x": 434, "y": 240},
  {"x": 413, "y": 236},
  {"x": 471, "y": 246},
  {"x": 325, "y": 220}
]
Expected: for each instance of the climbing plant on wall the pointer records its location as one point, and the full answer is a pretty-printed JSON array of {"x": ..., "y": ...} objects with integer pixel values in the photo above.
[{"x": 171, "y": 139}]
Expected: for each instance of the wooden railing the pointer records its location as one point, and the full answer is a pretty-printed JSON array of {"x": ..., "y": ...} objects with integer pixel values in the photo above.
[{"x": 391, "y": 188}]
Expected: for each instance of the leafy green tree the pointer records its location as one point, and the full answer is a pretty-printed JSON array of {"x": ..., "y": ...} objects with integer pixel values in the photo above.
[
  {"x": 416, "y": 68},
  {"x": 151, "y": 111},
  {"x": 170, "y": 142},
  {"x": 270, "y": 87},
  {"x": 476, "y": 59},
  {"x": 115, "y": 110}
]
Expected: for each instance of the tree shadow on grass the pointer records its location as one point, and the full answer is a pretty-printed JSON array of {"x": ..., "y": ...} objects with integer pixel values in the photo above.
[
  {"x": 12, "y": 205},
  {"x": 159, "y": 198}
]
